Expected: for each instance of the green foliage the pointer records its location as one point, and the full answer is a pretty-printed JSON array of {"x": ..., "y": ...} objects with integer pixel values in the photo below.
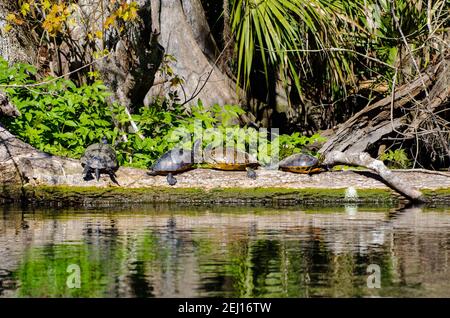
[
  {"x": 156, "y": 124},
  {"x": 397, "y": 159},
  {"x": 57, "y": 117},
  {"x": 384, "y": 39},
  {"x": 62, "y": 119},
  {"x": 322, "y": 51},
  {"x": 75, "y": 119},
  {"x": 295, "y": 143},
  {"x": 274, "y": 32}
]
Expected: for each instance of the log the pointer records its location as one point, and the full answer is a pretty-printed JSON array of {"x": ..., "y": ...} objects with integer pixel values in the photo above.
[
  {"x": 402, "y": 113},
  {"x": 6, "y": 108},
  {"x": 29, "y": 169},
  {"x": 373, "y": 122},
  {"x": 24, "y": 166},
  {"x": 363, "y": 159}
]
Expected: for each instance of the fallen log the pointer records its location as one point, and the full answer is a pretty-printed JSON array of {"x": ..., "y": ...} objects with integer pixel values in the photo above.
[
  {"x": 408, "y": 110},
  {"x": 363, "y": 159}
]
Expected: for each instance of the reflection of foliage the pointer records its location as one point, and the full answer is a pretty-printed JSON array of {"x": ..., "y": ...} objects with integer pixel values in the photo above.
[
  {"x": 44, "y": 272},
  {"x": 341, "y": 275},
  {"x": 243, "y": 264},
  {"x": 240, "y": 268}
]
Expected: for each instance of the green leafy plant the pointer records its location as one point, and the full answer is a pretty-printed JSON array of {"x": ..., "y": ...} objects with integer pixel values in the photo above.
[
  {"x": 396, "y": 159},
  {"x": 57, "y": 117},
  {"x": 62, "y": 119},
  {"x": 280, "y": 33},
  {"x": 295, "y": 143}
]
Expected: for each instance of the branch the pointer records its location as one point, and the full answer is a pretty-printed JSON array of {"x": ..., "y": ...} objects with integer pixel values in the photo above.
[{"x": 363, "y": 159}]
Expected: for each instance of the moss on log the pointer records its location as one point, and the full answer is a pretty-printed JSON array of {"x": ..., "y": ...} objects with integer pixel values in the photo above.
[{"x": 104, "y": 196}]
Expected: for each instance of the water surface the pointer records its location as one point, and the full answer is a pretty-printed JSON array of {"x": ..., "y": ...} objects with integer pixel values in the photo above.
[{"x": 173, "y": 251}]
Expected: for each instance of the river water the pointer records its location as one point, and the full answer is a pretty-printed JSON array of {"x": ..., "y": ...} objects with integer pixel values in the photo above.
[{"x": 176, "y": 251}]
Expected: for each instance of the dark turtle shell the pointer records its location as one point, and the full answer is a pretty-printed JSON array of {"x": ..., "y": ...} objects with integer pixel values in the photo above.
[
  {"x": 173, "y": 161},
  {"x": 229, "y": 158},
  {"x": 100, "y": 156},
  {"x": 300, "y": 163}
]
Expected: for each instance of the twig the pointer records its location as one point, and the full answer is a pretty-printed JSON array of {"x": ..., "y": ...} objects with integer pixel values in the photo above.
[{"x": 58, "y": 77}]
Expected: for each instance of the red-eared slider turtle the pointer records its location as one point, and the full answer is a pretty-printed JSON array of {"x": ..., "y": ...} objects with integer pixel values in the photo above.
[
  {"x": 301, "y": 163},
  {"x": 99, "y": 158},
  {"x": 175, "y": 161},
  {"x": 230, "y": 158}
]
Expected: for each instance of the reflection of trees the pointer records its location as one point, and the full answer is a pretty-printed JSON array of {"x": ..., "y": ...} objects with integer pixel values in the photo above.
[{"x": 290, "y": 254}]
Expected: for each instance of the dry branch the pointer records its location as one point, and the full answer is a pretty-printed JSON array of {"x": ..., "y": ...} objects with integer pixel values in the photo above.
[{"x": 365, "y": 160}]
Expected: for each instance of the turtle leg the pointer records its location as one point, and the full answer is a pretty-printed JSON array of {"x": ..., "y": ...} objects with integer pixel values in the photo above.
[
  {"x": 97, "y": 173},
  {"x": 86, "y": 173},
  {"x": 171, "y": 180},
  {"x": 113, "y": 176},
  {"x": 152, "y": 173},
  {"x": 251, "y": 173}
]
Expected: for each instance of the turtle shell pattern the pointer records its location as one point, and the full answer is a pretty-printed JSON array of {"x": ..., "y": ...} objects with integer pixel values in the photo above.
[
  {"x": 173, "y": 161},
  {"x": 229, "y": 158},
  {"x": 100, "y": 156},
  {"x": 301, "y": 163}
]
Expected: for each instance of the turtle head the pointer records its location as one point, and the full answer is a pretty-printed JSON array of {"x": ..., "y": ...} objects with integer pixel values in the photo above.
[{"x": 104, "y": 140}]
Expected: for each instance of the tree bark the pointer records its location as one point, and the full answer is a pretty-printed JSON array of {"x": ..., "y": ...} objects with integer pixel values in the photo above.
[
  {"x": 15, "y": 45},
  {"x": 129, "y": 70},
  {"x": 409, "y": 108},
  {"x": 186, "y": 36},
  {"x": 6, "y": 108}
]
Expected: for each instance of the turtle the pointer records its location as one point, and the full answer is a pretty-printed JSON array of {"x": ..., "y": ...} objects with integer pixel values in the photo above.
[
  {"x": 301, "y": 163},
  {"x": 175, "y": 161},
  {"x": 230, "y": 158},
  {"x": 99, "y": 158}
]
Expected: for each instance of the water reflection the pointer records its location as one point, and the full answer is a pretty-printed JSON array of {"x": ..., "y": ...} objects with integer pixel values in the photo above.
[{"x": 168, "y": 251}]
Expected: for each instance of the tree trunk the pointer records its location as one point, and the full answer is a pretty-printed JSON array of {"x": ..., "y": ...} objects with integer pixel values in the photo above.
[
  {"x": 186, "y": 36},
  {"x": 129, "y": 70},
  {"x": 15, "y": 45}
]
